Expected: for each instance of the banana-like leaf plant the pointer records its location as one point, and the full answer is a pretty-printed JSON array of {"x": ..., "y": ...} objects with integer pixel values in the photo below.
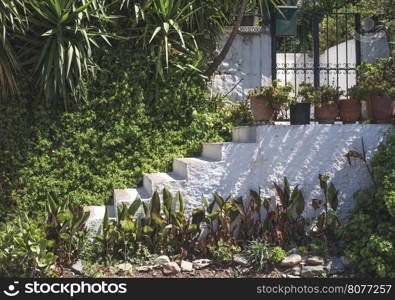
[
  {"x": 66, "y": 226},
  {"x": 281, "y": 225},
  {"x": 327, "y": 222}
]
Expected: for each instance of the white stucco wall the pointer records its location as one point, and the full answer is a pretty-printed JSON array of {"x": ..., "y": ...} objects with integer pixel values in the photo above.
[
  {"x": 248, "y": 63},
  {"x": 300, "y": 153}
]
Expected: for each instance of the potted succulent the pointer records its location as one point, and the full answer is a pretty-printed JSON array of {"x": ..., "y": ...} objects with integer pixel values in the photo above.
[
  {"x": 378, "y": 82},
  {"x": 266, "y": 101},
  {"x": 300, "y": 111},
  {"x": 350, "y": 108}
]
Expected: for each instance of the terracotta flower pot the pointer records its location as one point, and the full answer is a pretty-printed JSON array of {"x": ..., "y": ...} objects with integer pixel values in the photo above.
[
  {"x": 350, "y": 111},
  {"x": 262, "y": 109},
  {"x": 381, "y": 110},
  {"x": 326, "y": 113}
]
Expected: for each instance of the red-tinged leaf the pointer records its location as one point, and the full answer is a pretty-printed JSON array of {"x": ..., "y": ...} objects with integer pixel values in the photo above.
[
  {"x": 316, "y": 203},
  {"x": 281, "y": 195},
  {"x": 321, "y": 221}
]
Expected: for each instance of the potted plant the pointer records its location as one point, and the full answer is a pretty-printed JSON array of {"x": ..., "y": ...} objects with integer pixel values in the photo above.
[
  {"x": 381, "y": 109},
  {"x": 326, "y": 104},
  {"x": 266, "y": 101},
  {"x": 378, "y": 82},
  {"x": 300, "y": 111},
  {"x": 350, "y": 108},
  {"x": 325, "y": 99}
]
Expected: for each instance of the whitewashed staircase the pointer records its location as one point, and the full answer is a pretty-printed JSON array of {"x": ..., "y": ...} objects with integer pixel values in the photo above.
[
  {"x": 190, "y": 176},
  {"x": 256, "y": 157}
]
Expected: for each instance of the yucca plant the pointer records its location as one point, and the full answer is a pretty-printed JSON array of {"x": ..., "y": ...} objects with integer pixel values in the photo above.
[
  {"x": 58, "y": 45},
  {"x": 12, "y": 21}
]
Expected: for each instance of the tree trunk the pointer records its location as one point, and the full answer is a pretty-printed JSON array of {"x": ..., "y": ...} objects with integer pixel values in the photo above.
[{"x": 218, "y": 60}]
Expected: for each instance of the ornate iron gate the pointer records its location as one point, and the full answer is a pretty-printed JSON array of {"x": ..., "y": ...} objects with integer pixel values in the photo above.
[{"x": 326, "y": 50}]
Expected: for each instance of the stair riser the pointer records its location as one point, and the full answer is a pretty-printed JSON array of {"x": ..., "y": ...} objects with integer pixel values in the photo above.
[
  {"x": 244, "y": 134},
  {"x": 147, "y": 183},
  {"x": 212, "y": 151},
  {"x": 124, "y": 196},
  {"x": 180, "y": 168}
]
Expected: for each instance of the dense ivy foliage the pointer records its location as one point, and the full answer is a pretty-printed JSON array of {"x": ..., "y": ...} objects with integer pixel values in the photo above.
[
  {"x": 370, "y": 233},
  {"x": 131, "y": 125}
]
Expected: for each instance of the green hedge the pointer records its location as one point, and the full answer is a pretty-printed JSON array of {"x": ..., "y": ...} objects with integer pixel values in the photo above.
[
  {"x": 370, "y": 233},
  {"x": 131, "y": 124}
]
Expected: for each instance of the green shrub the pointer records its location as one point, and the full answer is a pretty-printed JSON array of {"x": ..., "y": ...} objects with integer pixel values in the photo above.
[
  {"x": 370, "y": 232},
  {"x": 302, "y": 250},
  {"x": 259, "y": 254},
  {"x": 223, "y": 251},
  {"x": 278, "y": 254},
  {"x": 24, "y": 249},
  {"x": 319, "y": 247},
  {"x": 129, "y": 126}
]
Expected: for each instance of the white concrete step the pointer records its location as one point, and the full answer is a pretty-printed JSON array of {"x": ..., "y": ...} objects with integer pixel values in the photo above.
[
  {"x": 151, "y": 181},
  {"x": 213, "y": 151},
  {"x": 96, "y": 217},
  {"x": 244, "y": 134},
  {"x": 181, "y": 165},
  {"x": 124, "y": 196}
]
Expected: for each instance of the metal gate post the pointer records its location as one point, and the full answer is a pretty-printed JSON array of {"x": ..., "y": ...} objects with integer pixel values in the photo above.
[
  {"x": 357, "y": 37},
  {"x": 316, "y": 48},
  {"x": 274, "y": 42}
]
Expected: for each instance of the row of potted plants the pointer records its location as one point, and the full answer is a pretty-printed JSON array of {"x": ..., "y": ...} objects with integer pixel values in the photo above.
[
  {"x": 268, "y": 101},
  {"x": 375, "y": 89}
]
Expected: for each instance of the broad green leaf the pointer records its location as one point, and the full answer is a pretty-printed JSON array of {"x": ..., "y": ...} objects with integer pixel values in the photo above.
[
  {"x": 323, "y": 181},
  {"x": 167, "y": 199},
  {"x": 181, "y": 203},
  {"x": 128, "y": 225},
  {"x": 299, "y": 203},
  {"x": 155, "y": 204},
  {"x": 134, "y": 206},
  {"x": 219, "y": 200},
  {"x": 198, "y": 216},
  {"x": 333, "y": 196}
]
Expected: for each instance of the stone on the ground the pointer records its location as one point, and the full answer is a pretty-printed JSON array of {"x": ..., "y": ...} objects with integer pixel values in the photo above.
[
  {"x": 171, "y": 268},
  {"x": 312, "y": 271},
  {"x": 315, "y": 261},
  {"x": 345, "y": 261},
  {"x": 78, "y": 267},
  {"x": 335, "y": 266},
  {"x": 143, "y": 269},
  {"x": 296, "y": 270},
  {"x": 186, "y": 266},
  {"x": 293, "y": 251},
  {"x": 125, "y": 267},
  {"x": 161, "y": 260},
  {"x": 241, "y": 260},
  {"x": 292, "y": 260},
  {"x": 201, "y": 263},
  {"x": 292, "y": 276}
]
